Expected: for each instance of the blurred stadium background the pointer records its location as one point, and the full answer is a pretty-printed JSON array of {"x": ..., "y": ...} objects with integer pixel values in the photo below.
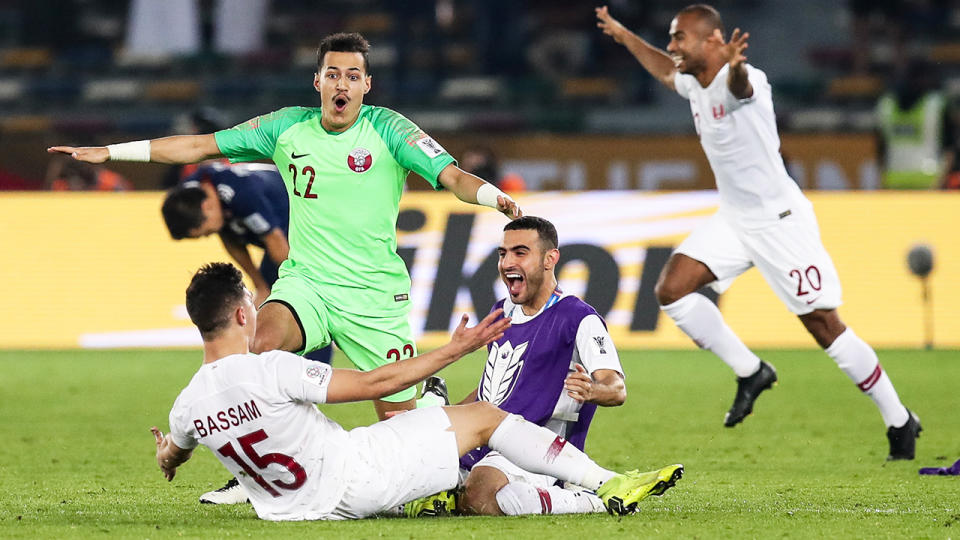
[{"x": 602, "y": 149}]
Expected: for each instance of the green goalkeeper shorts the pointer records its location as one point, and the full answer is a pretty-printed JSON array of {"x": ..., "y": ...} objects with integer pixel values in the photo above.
[{"x": 369, "y": 342}]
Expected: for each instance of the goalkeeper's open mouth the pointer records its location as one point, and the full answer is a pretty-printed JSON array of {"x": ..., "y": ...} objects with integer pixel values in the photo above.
[
  {"x": 340, "y": 103},
  {"x": 515, "y": 283}
]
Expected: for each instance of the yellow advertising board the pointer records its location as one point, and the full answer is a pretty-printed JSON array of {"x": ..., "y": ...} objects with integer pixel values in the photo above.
[{"x": 100, "y": 270}]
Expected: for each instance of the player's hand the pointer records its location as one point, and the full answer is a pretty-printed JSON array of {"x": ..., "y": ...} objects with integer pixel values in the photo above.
[
  {"x": 489, "y": 329},
  {"x": 508, "y": 207},
  {"x": 609, "y": 25},
  {"x": 90, "y": 154},
  {"x": 579, "y": 385},
  {"x": 168, "y": 472},
  {"x": 733, "y": 49}
]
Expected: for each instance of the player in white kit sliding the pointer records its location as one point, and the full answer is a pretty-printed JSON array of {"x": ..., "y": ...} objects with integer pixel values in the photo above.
[
  {"x": 256, "y": 413},
  {"x": 763, "y": 220}
]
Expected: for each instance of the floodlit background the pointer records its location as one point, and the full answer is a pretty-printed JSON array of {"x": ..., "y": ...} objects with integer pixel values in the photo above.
[{"x": 528, "y": 94}]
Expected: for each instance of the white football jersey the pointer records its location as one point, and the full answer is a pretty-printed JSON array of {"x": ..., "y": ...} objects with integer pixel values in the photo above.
[
  {"x": 256, "y": 413},
  {"x": 741, "y": 142}
]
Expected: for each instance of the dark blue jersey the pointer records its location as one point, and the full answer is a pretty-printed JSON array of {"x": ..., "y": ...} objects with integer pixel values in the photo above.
[{"x": 253, "y": 198}]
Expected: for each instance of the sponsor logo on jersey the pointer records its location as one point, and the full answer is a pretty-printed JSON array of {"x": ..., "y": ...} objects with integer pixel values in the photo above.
[
  {"x": 599, "y": 341},
  {"x": 359, "y": 160},
  {"x": 430, "y": 147},
  {"x": 718, "y": 112},
  {"x": 295, "y": 155},
  {"x": 504, "y": 364},
  {"x": 316, "y": 374},
  {"x": 401, "y": 297}
]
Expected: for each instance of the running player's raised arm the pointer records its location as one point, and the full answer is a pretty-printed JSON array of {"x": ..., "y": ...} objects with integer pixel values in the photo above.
[
  {"x": 654, "y": 60},
  {"x": 738, "y": 80},
  {"x": 176, "y": 149}
]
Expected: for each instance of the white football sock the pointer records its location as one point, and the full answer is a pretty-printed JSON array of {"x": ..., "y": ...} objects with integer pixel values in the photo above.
[
  {"x": 859, "y": 361},
  {"x": 539, "y": 450},
  {"x": 520, "y": 498},
  {"x": 700, "y": 319}
]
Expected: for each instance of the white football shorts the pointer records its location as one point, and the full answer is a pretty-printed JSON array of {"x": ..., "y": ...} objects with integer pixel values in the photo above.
[
  {"x": 513, "y": 472},
  {"x": 409, "y": 456},
  {"x": 789, "y": 254}
]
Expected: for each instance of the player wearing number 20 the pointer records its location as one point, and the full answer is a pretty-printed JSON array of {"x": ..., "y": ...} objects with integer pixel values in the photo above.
[
  {"x": 344, "y": 165},
  {"x": 764, "y": 220}
]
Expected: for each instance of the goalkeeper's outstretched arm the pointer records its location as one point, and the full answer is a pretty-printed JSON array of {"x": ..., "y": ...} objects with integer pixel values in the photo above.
[{"x": 177, "y": 149}]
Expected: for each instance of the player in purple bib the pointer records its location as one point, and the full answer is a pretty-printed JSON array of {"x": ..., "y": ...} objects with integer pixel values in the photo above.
[{"x": 553, "y": 366}]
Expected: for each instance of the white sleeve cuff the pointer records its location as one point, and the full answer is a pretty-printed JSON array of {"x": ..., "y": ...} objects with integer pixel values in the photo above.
[
  {"x": 487, "y": 195},
  {"x": 130, "y": 151}
]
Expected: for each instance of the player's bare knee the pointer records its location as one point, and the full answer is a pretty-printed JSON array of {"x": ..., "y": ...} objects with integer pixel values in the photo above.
[
  {"x": 478, "y": 499},
  {"x": 668, "y": 290},
  {"x": 824, "y": 325},
  {"x": 488, "y": 417},
  {"x": 491, "y": 411},
  {"x": 479, "y": 495}
]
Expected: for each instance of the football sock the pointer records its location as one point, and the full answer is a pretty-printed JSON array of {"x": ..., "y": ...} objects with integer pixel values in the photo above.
[
  {"x": 859, "y": 361},
  {"x": 700, "y": 319},
  {"x": 539, "y": 450},
  {"x": 521, "y": 498}
]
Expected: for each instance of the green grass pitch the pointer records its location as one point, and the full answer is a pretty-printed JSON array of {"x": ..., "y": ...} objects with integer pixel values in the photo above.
[{"x": 76, "y": 456}]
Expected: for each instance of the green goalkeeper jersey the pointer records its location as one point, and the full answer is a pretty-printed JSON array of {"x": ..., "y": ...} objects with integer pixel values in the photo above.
[{"x": 344, "y": 191}]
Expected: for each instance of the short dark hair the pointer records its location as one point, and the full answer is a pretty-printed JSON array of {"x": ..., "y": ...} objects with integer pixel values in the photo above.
[
  {"x": 213, "y": 294},
  {"x": 181, "y": 209},
  {"x": 706, "y": 13},
  {"x": 545, "y": 230},
  {"x": 344, "y": 42}
]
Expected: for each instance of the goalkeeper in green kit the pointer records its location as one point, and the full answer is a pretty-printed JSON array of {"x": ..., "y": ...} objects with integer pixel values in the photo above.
[{"x": 344, "y": 165}]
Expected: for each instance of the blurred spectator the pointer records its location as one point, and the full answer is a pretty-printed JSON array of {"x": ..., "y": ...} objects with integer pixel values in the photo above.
[
  {"x": 876, "y": 16},
  {"x": 482, "y": 162},
  {"x": 67, "y": 174},
  {"x": 951, "y": 153},
  {"x": 913, "y": 126},
  {"x": 888, "y": 28},
  {"x": 174, "y": 27},
  {"x": 12, "y": 182},
  {"x": 196, "y": 122}
]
